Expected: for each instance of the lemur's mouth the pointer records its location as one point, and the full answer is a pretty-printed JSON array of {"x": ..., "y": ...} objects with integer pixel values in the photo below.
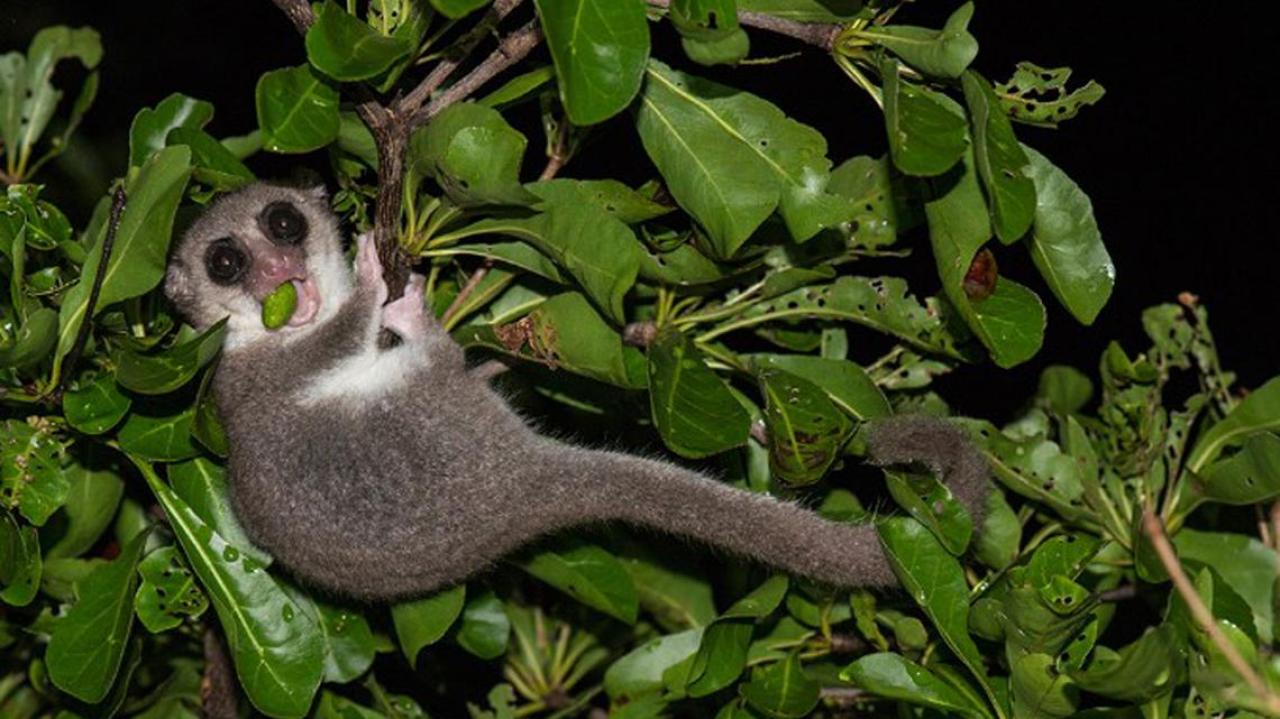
[{"x": 308, "y": 302}]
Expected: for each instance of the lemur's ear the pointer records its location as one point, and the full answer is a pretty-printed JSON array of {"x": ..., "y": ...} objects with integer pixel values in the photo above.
[{"x": 310, "y": 182}]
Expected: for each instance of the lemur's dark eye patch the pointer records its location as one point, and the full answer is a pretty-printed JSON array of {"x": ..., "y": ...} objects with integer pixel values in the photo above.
[
  {"x": 283, "y": 224},
  {"x": 225, "y": 263}
]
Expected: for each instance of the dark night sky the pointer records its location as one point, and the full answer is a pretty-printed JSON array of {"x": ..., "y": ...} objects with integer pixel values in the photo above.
[{"x": 1178, "y": 158}]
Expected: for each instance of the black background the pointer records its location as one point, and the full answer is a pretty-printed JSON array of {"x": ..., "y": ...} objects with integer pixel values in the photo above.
[{"x": 1178, "y": 158}]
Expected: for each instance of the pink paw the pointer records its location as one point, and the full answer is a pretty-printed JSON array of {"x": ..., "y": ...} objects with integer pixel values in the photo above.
[
  {"x": 406, "y": 316},
  {"x": 369, "y": 267}
]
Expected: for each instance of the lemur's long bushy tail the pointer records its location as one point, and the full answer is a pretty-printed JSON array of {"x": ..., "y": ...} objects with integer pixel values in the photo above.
[{"x": 780, "y": 534}]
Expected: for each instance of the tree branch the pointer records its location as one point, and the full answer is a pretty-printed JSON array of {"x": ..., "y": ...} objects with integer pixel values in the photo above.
[
  {"x": 391, "y": 125},
  {"x": 513, "y": 48},
  {"x": 447, "y": 66},
  {"x": 1203, "y": 617},
  {"x": 822, "y": 35},
  {"x": 299, "y": 12},
  {"x": 108, "y": 240}
]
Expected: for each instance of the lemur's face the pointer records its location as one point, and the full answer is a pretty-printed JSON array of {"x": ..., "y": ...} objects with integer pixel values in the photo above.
[{"x": 246, "y": 245}]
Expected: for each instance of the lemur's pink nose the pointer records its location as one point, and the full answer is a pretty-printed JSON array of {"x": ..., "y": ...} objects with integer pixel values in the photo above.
[{"x": 275, "y": 266}]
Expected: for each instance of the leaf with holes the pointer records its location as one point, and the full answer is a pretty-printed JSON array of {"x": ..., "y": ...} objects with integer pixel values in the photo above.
[
  {"x": 806, "y": 431},
  {"x": 168, "y": 592}
]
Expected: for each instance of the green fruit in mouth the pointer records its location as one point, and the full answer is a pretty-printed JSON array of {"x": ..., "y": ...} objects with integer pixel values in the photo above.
[{"x": 278, "y": 306}]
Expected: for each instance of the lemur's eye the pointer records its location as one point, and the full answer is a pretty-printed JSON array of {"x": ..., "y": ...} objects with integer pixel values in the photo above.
[
  {"x": 225, "y": 262},
  {"x": 283, "y": 223}
]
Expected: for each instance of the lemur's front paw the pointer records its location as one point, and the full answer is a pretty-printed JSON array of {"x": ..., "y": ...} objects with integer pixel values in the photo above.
[
  {"x": 407, "y": 316},
  {"x": 369, "y": 268}
]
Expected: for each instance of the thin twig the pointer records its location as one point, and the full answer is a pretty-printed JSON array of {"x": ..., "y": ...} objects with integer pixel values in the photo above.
[
  {"x": 512, "y": 49},
  {"x": 218, "y": 692},
  {"x": 822, "y": 35},
  {"x": 1119, "y": 594},
  {"x": 1155, "y": 531},
  {"x": 446, "y": 67},
  {"x": 472, "y": 283},
  {"x": 299, "y": 12},
  {"x": 108, "y": 240},
  {"x": 559, "y": 153}
]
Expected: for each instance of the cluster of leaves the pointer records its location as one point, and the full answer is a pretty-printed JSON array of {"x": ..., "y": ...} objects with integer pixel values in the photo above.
[{"x": 720, "y": 294}]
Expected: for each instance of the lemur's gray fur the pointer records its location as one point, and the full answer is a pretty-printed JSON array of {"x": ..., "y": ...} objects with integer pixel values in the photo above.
[{"x": 384, "y": 474}]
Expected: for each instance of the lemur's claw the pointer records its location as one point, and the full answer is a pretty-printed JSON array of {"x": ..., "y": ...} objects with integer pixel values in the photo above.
[
  {"x": 406, "y": 316},
  {"x": 369, "y": 267}
]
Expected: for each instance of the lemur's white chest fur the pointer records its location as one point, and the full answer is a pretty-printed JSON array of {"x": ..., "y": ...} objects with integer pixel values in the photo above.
[{"x": 370, "y": 374}]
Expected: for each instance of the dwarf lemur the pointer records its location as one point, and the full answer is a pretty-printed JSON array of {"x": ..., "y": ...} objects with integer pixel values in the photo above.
[{"x": 382, "y": 474}]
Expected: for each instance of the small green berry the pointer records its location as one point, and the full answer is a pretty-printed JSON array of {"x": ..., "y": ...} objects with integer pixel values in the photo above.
[{"x": 278, "y": 306}]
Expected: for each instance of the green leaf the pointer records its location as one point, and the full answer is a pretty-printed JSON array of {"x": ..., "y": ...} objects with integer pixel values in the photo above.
[
  {"x": 693, "y": 409},
  {"x": 202, "y": 486},
  {"x": 215, "y": 165},
  {"x": 168, "y": 591},
  {"x": 20, "y": 564},
  {"x": 941, "y": 53},
  {"x": 485, "y": 628},
  {"x": 641, "y": 670},
  {"x": 1245, "y": 564},
  {"x": 1039, "y": 96},
  {"x": 1249, "y": 476},
  {"x": 87, "y": 645},
  {"x": 730, "y": 158},
  {"x": 27, "y": 97},
  {"x": 1149, "y": 667},
  {"x": 1011, "y": 321},
  {"x": 423, "y": 622},
  {"x": 277, "y": 649},
  {"x": 471, "y": 151},
  {"x": 1039, "y": 689},
  {"x": 32, "y": 478},
  {"x": 346, "y": 49},
  {"x": 37, "y": 335},
  {"x": 94, "y": 489},
  {"x": 167, "y": 371},
  {"x": 806, "y": 431},
  {"x": 1066, "y": 244},
  {"x": 935, "y": 580},
  {"x": 721, "y": 657},
  {"x": 349, "y": 643},
  {"x": 137, "y": 261},
  {"x": 1002, "y": 165},
  {"x": 896, "y": 677},
  {"x": 590, "y": 575},
  {"x": 709, "y": 31},
  {"x": 151, "y": 127},
  {"x": 1000, "y": 538},
  {"x": 1258, "y": 412},
  {"x": 723, "y": 652},
  {"x": 1064, "y": 389},
  {"x": 845, "y": 382},
  {"x": 454, "y": 9},
  {"x": 881, "y": 303},
  {"x": 297, "y": 110},
  {"x": 599, "y": 48},
  {"x": 677, "y": 599},
  {"x": 926, "y": 135},
  {"x": 781, "y": 690},
  {"x": 519, "y": 88},
  {"x": 567, "y": 332},
  {"x": 97, "y": 406},
  {"x": 876, "y": 192},
  {"x": 159, "y": 431},
  {"x": 928, "y": 500},
  {"x": 598, "y": 250}
]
